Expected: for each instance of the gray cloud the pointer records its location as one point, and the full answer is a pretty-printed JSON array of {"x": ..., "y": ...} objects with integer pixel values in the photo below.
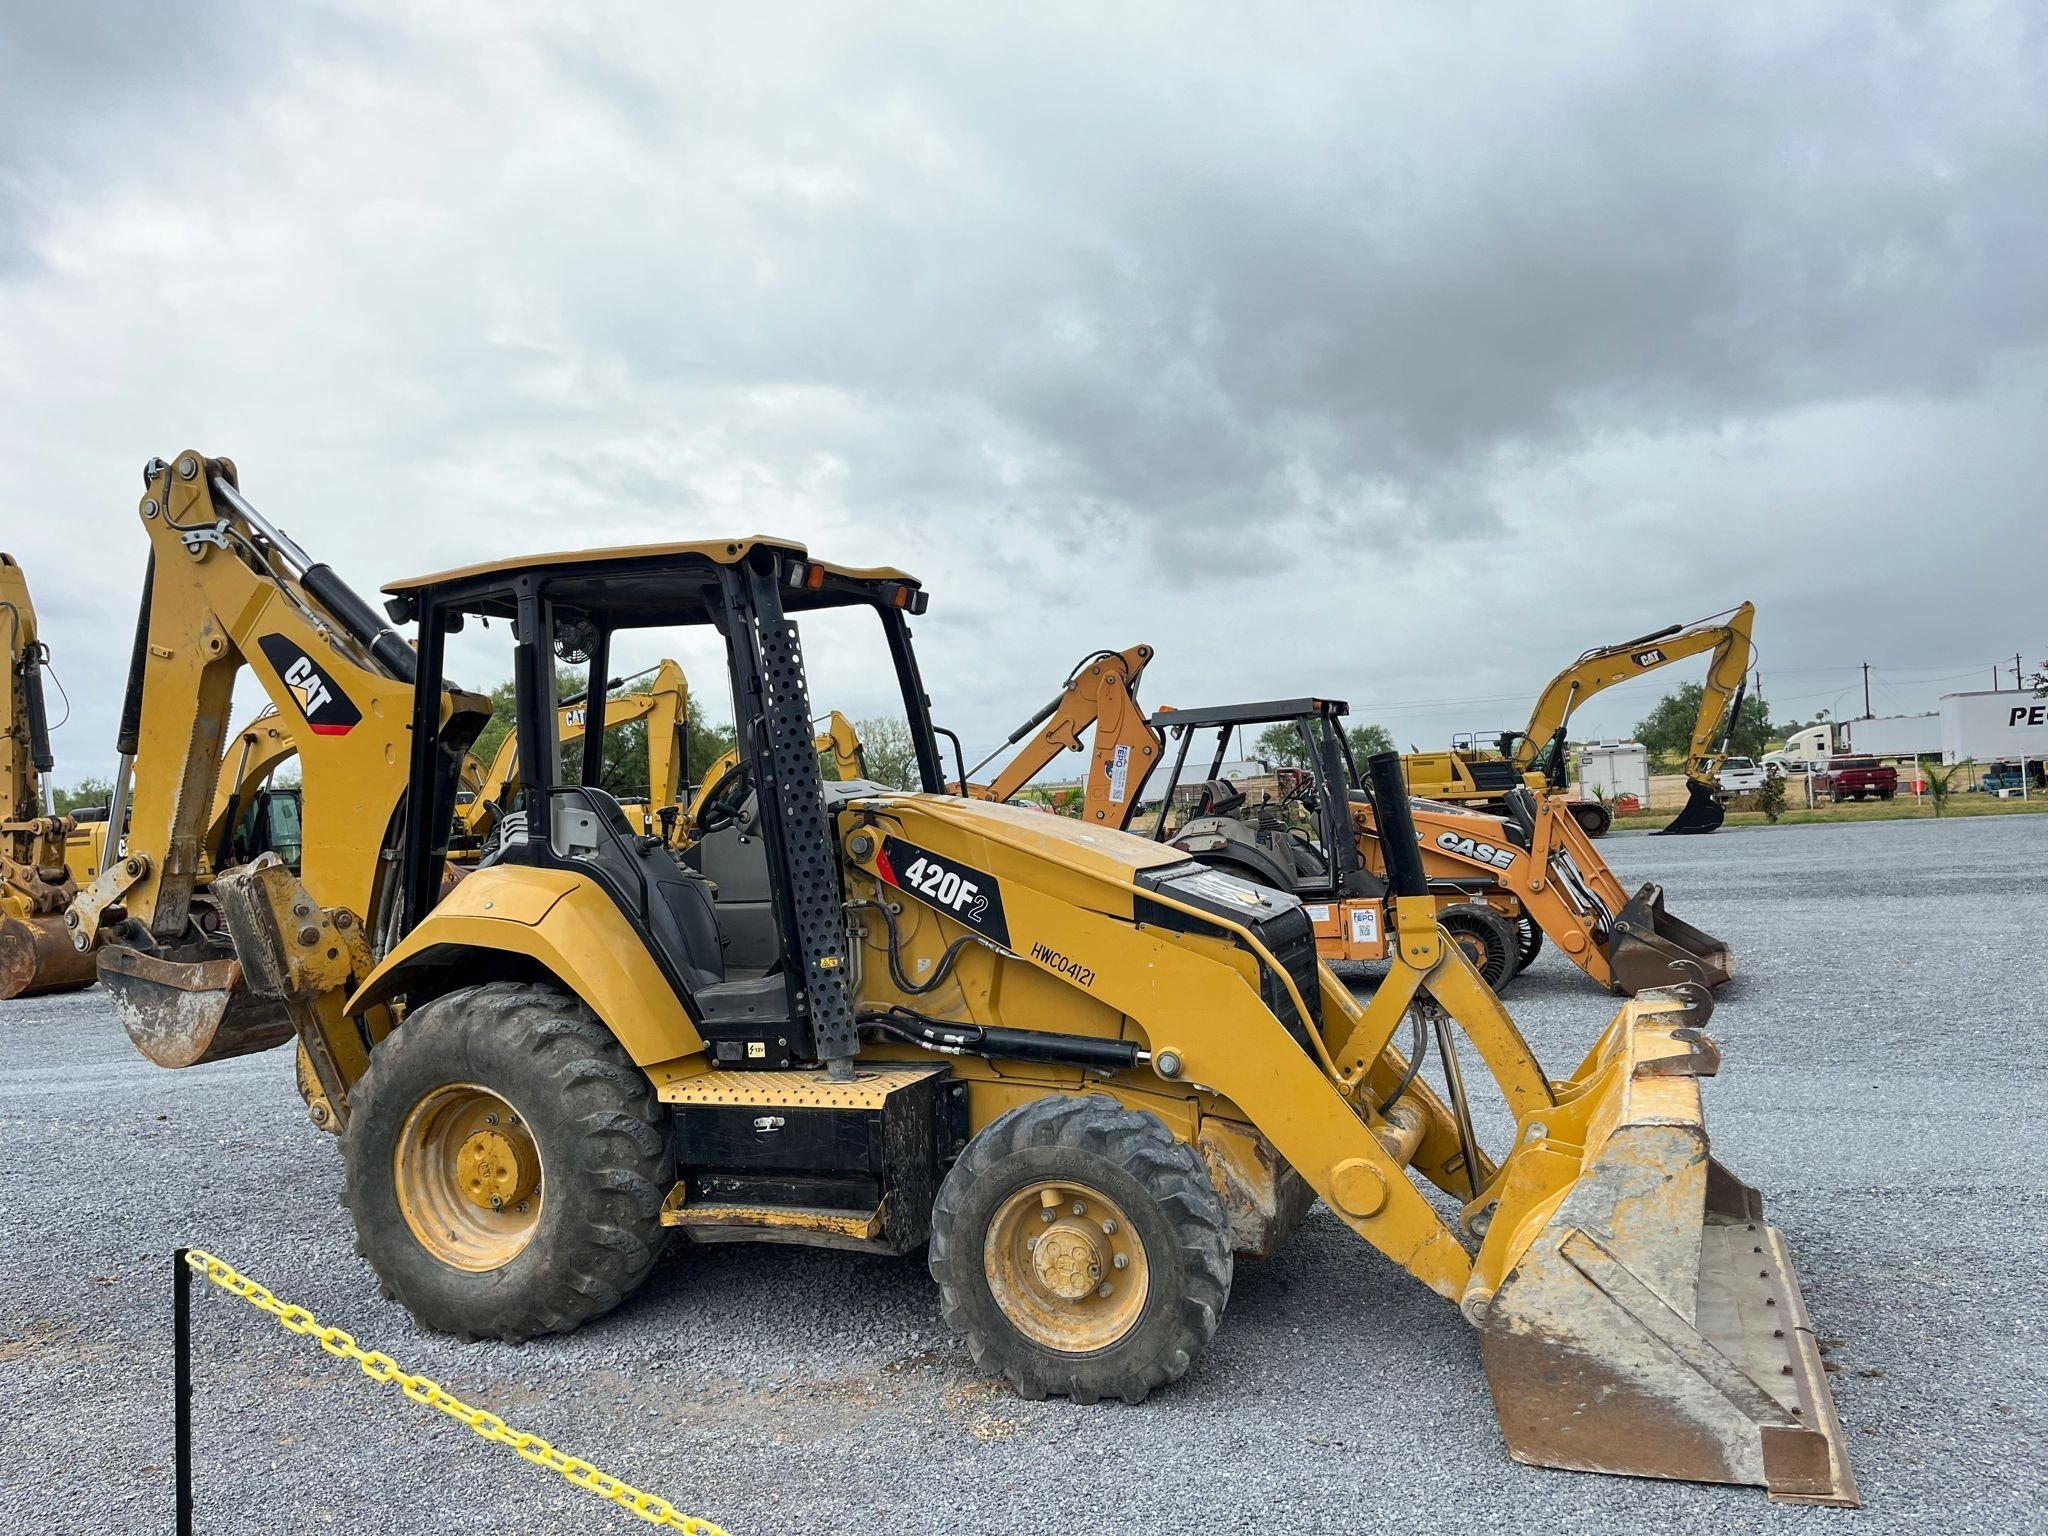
[{"x": 1393, "y": 353}]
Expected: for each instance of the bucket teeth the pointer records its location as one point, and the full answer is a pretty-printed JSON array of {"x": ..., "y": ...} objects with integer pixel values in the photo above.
[{"x": 1637, "y": 1314}]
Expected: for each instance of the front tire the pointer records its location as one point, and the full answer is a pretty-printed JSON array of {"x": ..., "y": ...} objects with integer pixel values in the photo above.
[
  {"x": 505, "y": 1163},
  {"x": 1080, "y": 1250},
  {"x": 1528, "y": 942}
]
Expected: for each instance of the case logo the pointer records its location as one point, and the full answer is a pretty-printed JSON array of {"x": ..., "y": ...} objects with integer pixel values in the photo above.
[
  {"x": 328, "y": 711},
  {"x": 1471, "y": 848}
]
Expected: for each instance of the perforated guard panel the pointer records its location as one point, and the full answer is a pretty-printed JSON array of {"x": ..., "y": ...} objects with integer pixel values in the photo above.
[{"x": 813, "y": 855}]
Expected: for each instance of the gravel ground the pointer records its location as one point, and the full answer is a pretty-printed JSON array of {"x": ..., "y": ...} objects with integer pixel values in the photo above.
[{"x": 1883, "y": 1085}]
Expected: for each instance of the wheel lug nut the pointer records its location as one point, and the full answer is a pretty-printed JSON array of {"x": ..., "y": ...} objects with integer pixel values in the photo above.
[
  {"x": 1030, "y": 1243},
  {"x": 1122, "y": 1261},
  {"x": 1045, "y": 1215},
  {"x": 1080, "y": 1208},
  {"x": 1109, "y": 1229},
  {"x": 1105, "y": 1289}
]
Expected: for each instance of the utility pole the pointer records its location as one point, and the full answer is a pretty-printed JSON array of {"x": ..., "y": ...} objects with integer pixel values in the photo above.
[
  {"x": 1866, "y": 690},
  {"x": 2017, "y": 683}
]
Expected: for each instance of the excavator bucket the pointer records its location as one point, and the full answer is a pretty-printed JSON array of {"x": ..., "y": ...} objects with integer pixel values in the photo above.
[
  {"x": 1648, "y": 948},
  {"x": 185, "y": 1007},
  {"x": 1703, "y": 812},
  {"x": 37, "y": 956},
  {"x": 1637, "y": 1313}
]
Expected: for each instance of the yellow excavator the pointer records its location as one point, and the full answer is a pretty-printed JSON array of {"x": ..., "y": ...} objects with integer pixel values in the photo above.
[
  {"x": 1503, "y": 884},
  {"x": 1078, "y": 1067},
  {"x": 35, "y": 883},
  {"x": 1536, "y": 756}
]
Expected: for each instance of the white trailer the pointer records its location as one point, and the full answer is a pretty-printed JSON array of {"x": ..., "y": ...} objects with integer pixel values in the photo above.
[
  {"x": 1892, "y": 736},
  {"x": 2007, "y": 727},
  {"x": 1613, "y": 769}
]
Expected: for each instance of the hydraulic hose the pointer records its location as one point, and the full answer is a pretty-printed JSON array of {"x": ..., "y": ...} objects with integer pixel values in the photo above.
[
  {"x": 904, "y": 983},
  {"x": 954, "y": 1037}
]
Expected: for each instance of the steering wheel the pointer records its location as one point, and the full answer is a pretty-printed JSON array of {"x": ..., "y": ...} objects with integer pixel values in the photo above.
[{"x": 724, "y": 801}]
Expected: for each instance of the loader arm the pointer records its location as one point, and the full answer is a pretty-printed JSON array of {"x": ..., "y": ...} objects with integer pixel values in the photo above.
[
  {"x": 1540, "y": 747},
  {"x": 1101, "y": 692}
]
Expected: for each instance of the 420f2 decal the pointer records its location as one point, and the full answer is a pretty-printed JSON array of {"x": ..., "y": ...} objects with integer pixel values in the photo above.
[{"x": 961, "y": 891}]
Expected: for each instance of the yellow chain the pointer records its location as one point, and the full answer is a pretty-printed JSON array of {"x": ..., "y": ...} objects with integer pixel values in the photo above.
[{"x": 382, "y": 1368}]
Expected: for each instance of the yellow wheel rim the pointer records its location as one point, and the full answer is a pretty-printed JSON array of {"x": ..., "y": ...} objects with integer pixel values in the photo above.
[
  {"x": 1066, "y": 1267},
  {"x": 468, "y": 1177}
]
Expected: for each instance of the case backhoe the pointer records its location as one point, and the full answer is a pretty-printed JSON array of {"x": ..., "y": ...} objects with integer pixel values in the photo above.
[
  {"x": 1502, "y": 884},
  {"x": 1536, "y": 756},
  {"x": 35, "y": 883},
  {"x": 1080, "y": 1067}
]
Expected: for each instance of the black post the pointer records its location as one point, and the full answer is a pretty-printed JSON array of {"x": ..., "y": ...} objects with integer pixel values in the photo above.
[
  {"x": 1396, "y": 825},
  {"x": 181, "y": 1385}
]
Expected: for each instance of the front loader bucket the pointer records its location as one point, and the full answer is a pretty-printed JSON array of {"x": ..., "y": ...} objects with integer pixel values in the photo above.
[
  {"x": 37, "y": 956},
  {"x": 1647, "y": 948},
  {"x": 1703, "y": 812},
  {"x": 1637, "y": 1314},
  {"x": 184, "y": 1007}
]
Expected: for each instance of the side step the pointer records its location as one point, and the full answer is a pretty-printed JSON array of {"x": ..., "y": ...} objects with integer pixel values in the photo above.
[{"x": 797, "y": 1156}]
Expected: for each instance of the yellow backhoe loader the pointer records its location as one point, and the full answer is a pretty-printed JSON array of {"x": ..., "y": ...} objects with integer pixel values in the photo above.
[
  {"x": 664, "y": 706},
  {"x": 1079, "y": 1066},
  {"x": 1536, "y": 756},
  {"x": 1502, "y": 884},
  {"x": 35, "y": 883}
]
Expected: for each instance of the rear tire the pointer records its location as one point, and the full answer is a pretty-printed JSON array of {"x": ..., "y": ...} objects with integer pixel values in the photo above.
[
  {"x": 505, "y": 1164},
  {"x": 1488, "y": 940},
  {"x": 1020, "y": 1280}
]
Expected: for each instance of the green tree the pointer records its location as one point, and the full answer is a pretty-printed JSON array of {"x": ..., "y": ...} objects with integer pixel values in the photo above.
[
  {"x": 1280, "y": 745},
  {"x": 87, "y": 794},
  {"x": 1667, "y": 730},
  {"x": 1366, "y": 740},
  {"x": 886, "y": 747}
]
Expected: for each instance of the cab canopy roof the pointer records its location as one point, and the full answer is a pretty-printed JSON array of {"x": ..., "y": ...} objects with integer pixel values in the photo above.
[{"x": 650, "y": 583}]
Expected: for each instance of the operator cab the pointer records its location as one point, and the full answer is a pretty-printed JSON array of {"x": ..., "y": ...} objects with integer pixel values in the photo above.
[
  {"x": 1299, "y": 840},
  {"x": 740, "y": 908}
]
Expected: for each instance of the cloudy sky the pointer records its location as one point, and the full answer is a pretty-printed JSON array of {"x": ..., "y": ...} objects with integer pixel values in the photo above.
[{"x": 1391, "y": 352}]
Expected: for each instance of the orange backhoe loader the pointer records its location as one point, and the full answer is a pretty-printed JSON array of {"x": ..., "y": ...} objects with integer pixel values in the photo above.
[{"x": 1534, "y": 869}]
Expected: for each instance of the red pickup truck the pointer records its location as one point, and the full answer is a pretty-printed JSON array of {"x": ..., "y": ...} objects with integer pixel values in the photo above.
[{"x": 1853, "y": 778}]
